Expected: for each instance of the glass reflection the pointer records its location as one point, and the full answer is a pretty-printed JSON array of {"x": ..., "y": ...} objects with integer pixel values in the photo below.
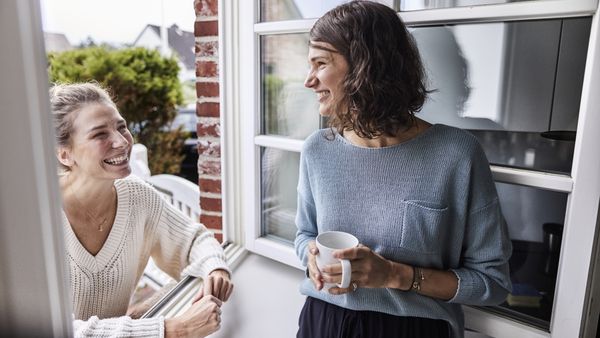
[
  {"x": 276, "y": 10},
  {"x": 509, "y": 83},
  {"x": 279, "y": 179},
  {"x": 534, "y": 219},
  {"x": 289, "y": 109},
  {"x": 413, "y": 5}
]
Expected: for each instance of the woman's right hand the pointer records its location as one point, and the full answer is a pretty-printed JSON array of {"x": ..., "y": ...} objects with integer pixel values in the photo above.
[
  {"x": 200, "y": 320},
  {"x": 313, "y": 271}
]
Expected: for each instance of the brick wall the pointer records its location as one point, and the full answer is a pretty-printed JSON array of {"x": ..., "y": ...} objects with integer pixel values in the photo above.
[{"x": 207, "y": 108}]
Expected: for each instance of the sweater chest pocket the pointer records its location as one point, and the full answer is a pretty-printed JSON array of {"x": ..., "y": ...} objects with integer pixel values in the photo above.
[{"x": 424, "y": 226}]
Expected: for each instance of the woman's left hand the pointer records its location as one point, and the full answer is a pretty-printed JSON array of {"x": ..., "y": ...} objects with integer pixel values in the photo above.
[
  {"x": 369, "y": 269},
  {"x": 217, "y": 284}
]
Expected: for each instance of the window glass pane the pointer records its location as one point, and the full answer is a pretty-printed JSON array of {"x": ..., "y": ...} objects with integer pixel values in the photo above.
[
  {"x": 279, "y": 180},
  {"x": 412, "y": 5},
  {"x": 277, "y": 10},
  {"x": 288, "y": 108},
  {"x": 515, "y": 85},
  {"x": 535, "y": 220}
]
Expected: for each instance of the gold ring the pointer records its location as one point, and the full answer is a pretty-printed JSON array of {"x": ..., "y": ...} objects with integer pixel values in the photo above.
[{"x": 354, "y": 286}]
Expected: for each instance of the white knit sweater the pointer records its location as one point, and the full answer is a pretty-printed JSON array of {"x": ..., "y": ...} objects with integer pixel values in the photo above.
[{"x": 145, "y": 225}]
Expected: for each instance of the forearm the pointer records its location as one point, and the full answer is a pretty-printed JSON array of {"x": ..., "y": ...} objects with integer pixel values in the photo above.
[{"x": 433, "y": 283}]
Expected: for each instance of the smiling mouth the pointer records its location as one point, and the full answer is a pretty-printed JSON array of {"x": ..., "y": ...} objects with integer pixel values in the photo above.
[
  {"x": 117, "y": 160},
  {"x": 322, "y": 95}
]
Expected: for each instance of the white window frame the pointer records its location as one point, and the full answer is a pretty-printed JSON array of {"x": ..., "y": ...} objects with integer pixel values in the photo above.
[
  {"x": 34, "y": 292},
  {"x": 242, "y": 93}
]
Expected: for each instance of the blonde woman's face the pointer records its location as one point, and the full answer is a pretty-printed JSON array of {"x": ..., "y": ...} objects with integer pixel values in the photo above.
[
  {"x": 326, "y": 74},
  {"x": 100, "y": 143}
]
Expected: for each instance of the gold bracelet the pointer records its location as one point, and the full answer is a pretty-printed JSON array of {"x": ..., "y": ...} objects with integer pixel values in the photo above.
[{"x": 418, "y": 277}]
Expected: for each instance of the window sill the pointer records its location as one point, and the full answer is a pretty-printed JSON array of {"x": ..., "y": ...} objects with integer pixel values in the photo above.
[{"x": 179, "y": 298}]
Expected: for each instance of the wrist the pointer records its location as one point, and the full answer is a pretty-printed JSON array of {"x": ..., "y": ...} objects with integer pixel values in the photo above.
[
  {"x": 221, "y": 272},
  {"x": 171, "y": 328},
  {"x": 401, "y": 276}
]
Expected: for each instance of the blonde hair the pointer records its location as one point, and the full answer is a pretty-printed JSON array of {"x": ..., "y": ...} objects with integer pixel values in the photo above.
[{"x": 68, "y": 99}]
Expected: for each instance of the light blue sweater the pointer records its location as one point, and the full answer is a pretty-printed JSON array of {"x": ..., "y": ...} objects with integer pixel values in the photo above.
[{"x": 428, "y": 202}]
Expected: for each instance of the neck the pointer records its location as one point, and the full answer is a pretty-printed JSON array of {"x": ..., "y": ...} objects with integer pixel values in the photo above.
[
  {"x": 384, "y": 140},
  {"x": 88, "y": 192}
]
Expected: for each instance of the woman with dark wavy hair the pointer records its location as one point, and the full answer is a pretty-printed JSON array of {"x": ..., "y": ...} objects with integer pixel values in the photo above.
[{"x": 419, "y": 197}]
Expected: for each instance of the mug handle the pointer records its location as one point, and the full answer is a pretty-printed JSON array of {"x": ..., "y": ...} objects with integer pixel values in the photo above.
[{"x": 346, "y": 274}]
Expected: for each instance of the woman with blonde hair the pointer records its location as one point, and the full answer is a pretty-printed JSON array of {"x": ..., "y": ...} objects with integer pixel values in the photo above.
[{"x": 113, "y": 223}]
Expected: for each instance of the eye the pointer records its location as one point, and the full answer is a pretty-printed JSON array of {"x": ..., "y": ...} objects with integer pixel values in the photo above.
[
  {"x": 100, "y": 135},
  {"x": 123, "y": 129}
]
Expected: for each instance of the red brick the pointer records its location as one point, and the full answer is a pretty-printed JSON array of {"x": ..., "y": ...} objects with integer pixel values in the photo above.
[
  {"x": 210, "y": 204},
  {"x": 208, "y": 109},
  {"x": 205, "y": 129},
  {"x": 206, "y": 69},
  {"x": 207, "y": 48},
  {"x": 219, "y": 237},
  {"x": 206, "y": 7},
  {"x": 206, "y": 28},
  {"x": 208, "y": 148},
  {"x": 207, "y": 185},
  {"x": 207, "y": 167},
  {"x": 212, "y": 222},
  {"x": 207, "y": 89}
]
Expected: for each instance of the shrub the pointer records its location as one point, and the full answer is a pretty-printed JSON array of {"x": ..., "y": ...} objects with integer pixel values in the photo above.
[{"x": 145, "y": 88}]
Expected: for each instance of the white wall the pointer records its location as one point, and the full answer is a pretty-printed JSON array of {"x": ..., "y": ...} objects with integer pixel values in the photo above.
[{"x": 265, "y": 303}]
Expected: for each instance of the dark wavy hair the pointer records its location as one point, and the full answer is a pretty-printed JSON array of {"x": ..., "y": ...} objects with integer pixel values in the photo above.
[{"x": 385, "y": 84}]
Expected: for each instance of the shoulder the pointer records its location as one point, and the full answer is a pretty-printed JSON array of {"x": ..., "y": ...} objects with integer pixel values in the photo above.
[
  {"x": 320, "y": 139},
  {"x": 137, "y": 190},
  {"x": 456, "y": 141}
]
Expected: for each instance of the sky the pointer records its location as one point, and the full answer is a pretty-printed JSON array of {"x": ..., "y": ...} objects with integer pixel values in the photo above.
[{"x": 113, "y": 21}]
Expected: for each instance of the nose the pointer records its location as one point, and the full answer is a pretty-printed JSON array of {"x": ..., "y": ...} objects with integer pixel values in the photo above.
[
  {"x": 119, "y": 140},
  {"x": 310, "y": 80}
]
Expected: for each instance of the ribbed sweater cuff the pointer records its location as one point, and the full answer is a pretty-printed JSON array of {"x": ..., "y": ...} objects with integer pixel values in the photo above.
[
  {"x": 120, "y": 327},
  {"x": 207, "y": 265}
]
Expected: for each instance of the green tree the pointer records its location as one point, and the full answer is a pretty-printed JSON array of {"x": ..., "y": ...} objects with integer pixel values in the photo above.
[{"x": 145, "y": 88}]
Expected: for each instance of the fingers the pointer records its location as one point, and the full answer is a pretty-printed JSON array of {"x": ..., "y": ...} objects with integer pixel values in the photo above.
[
  {"x": 208, "y": 299},
  {"x": 340, "y": 291},
  {"x": 208, "y": 286},
  {"x": 218, "y": 286},
  {"x": 228, "y": 292},
  {"x": 359, "y": 252},
  {"x": 313, "y": 270},
  {"x": 312, "y": 248},
  {"x": 198, "y": 295}
]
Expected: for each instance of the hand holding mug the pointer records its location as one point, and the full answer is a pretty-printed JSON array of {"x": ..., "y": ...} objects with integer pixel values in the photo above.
[
  {"x": 369, "y": 269},
  {"x": 313, "y": 270},
  {"x": 327, "y": 243}
]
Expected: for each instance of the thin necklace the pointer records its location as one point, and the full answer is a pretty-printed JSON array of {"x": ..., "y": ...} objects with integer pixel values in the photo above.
[{"x": 92, "y": 219}]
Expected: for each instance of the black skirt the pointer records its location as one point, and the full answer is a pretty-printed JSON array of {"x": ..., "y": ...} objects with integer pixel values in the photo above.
[{"x": 320, "y": 319}]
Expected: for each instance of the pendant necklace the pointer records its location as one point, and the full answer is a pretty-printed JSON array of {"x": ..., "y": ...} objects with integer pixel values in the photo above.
[{"x": 92, "y": 219}]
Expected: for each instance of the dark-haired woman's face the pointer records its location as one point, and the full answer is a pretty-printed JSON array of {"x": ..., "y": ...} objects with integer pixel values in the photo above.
[{"x": 327, "y": 70}]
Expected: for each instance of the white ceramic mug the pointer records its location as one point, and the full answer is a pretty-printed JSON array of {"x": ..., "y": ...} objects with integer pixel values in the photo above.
[{"x": 327, "y": 243}]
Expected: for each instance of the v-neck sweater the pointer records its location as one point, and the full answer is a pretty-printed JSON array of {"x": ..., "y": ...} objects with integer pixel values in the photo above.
[{"x": 145, "y": 226}]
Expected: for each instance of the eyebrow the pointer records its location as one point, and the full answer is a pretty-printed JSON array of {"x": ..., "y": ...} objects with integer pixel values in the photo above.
[
  {"x": 312, "y": 45},
  {"x": 102, "y": 126},
  {"x": 314, "y": 58}
]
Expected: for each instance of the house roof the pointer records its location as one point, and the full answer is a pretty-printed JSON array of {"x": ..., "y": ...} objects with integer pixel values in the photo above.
[
  {"x": 56, "y": 42},
  {"x": 182, "y": 42}
]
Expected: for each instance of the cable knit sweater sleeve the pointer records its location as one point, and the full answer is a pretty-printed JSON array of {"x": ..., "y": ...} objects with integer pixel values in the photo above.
[
  {"x": 182, "y": 247},
  {"x": 119, "y": 327}
]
